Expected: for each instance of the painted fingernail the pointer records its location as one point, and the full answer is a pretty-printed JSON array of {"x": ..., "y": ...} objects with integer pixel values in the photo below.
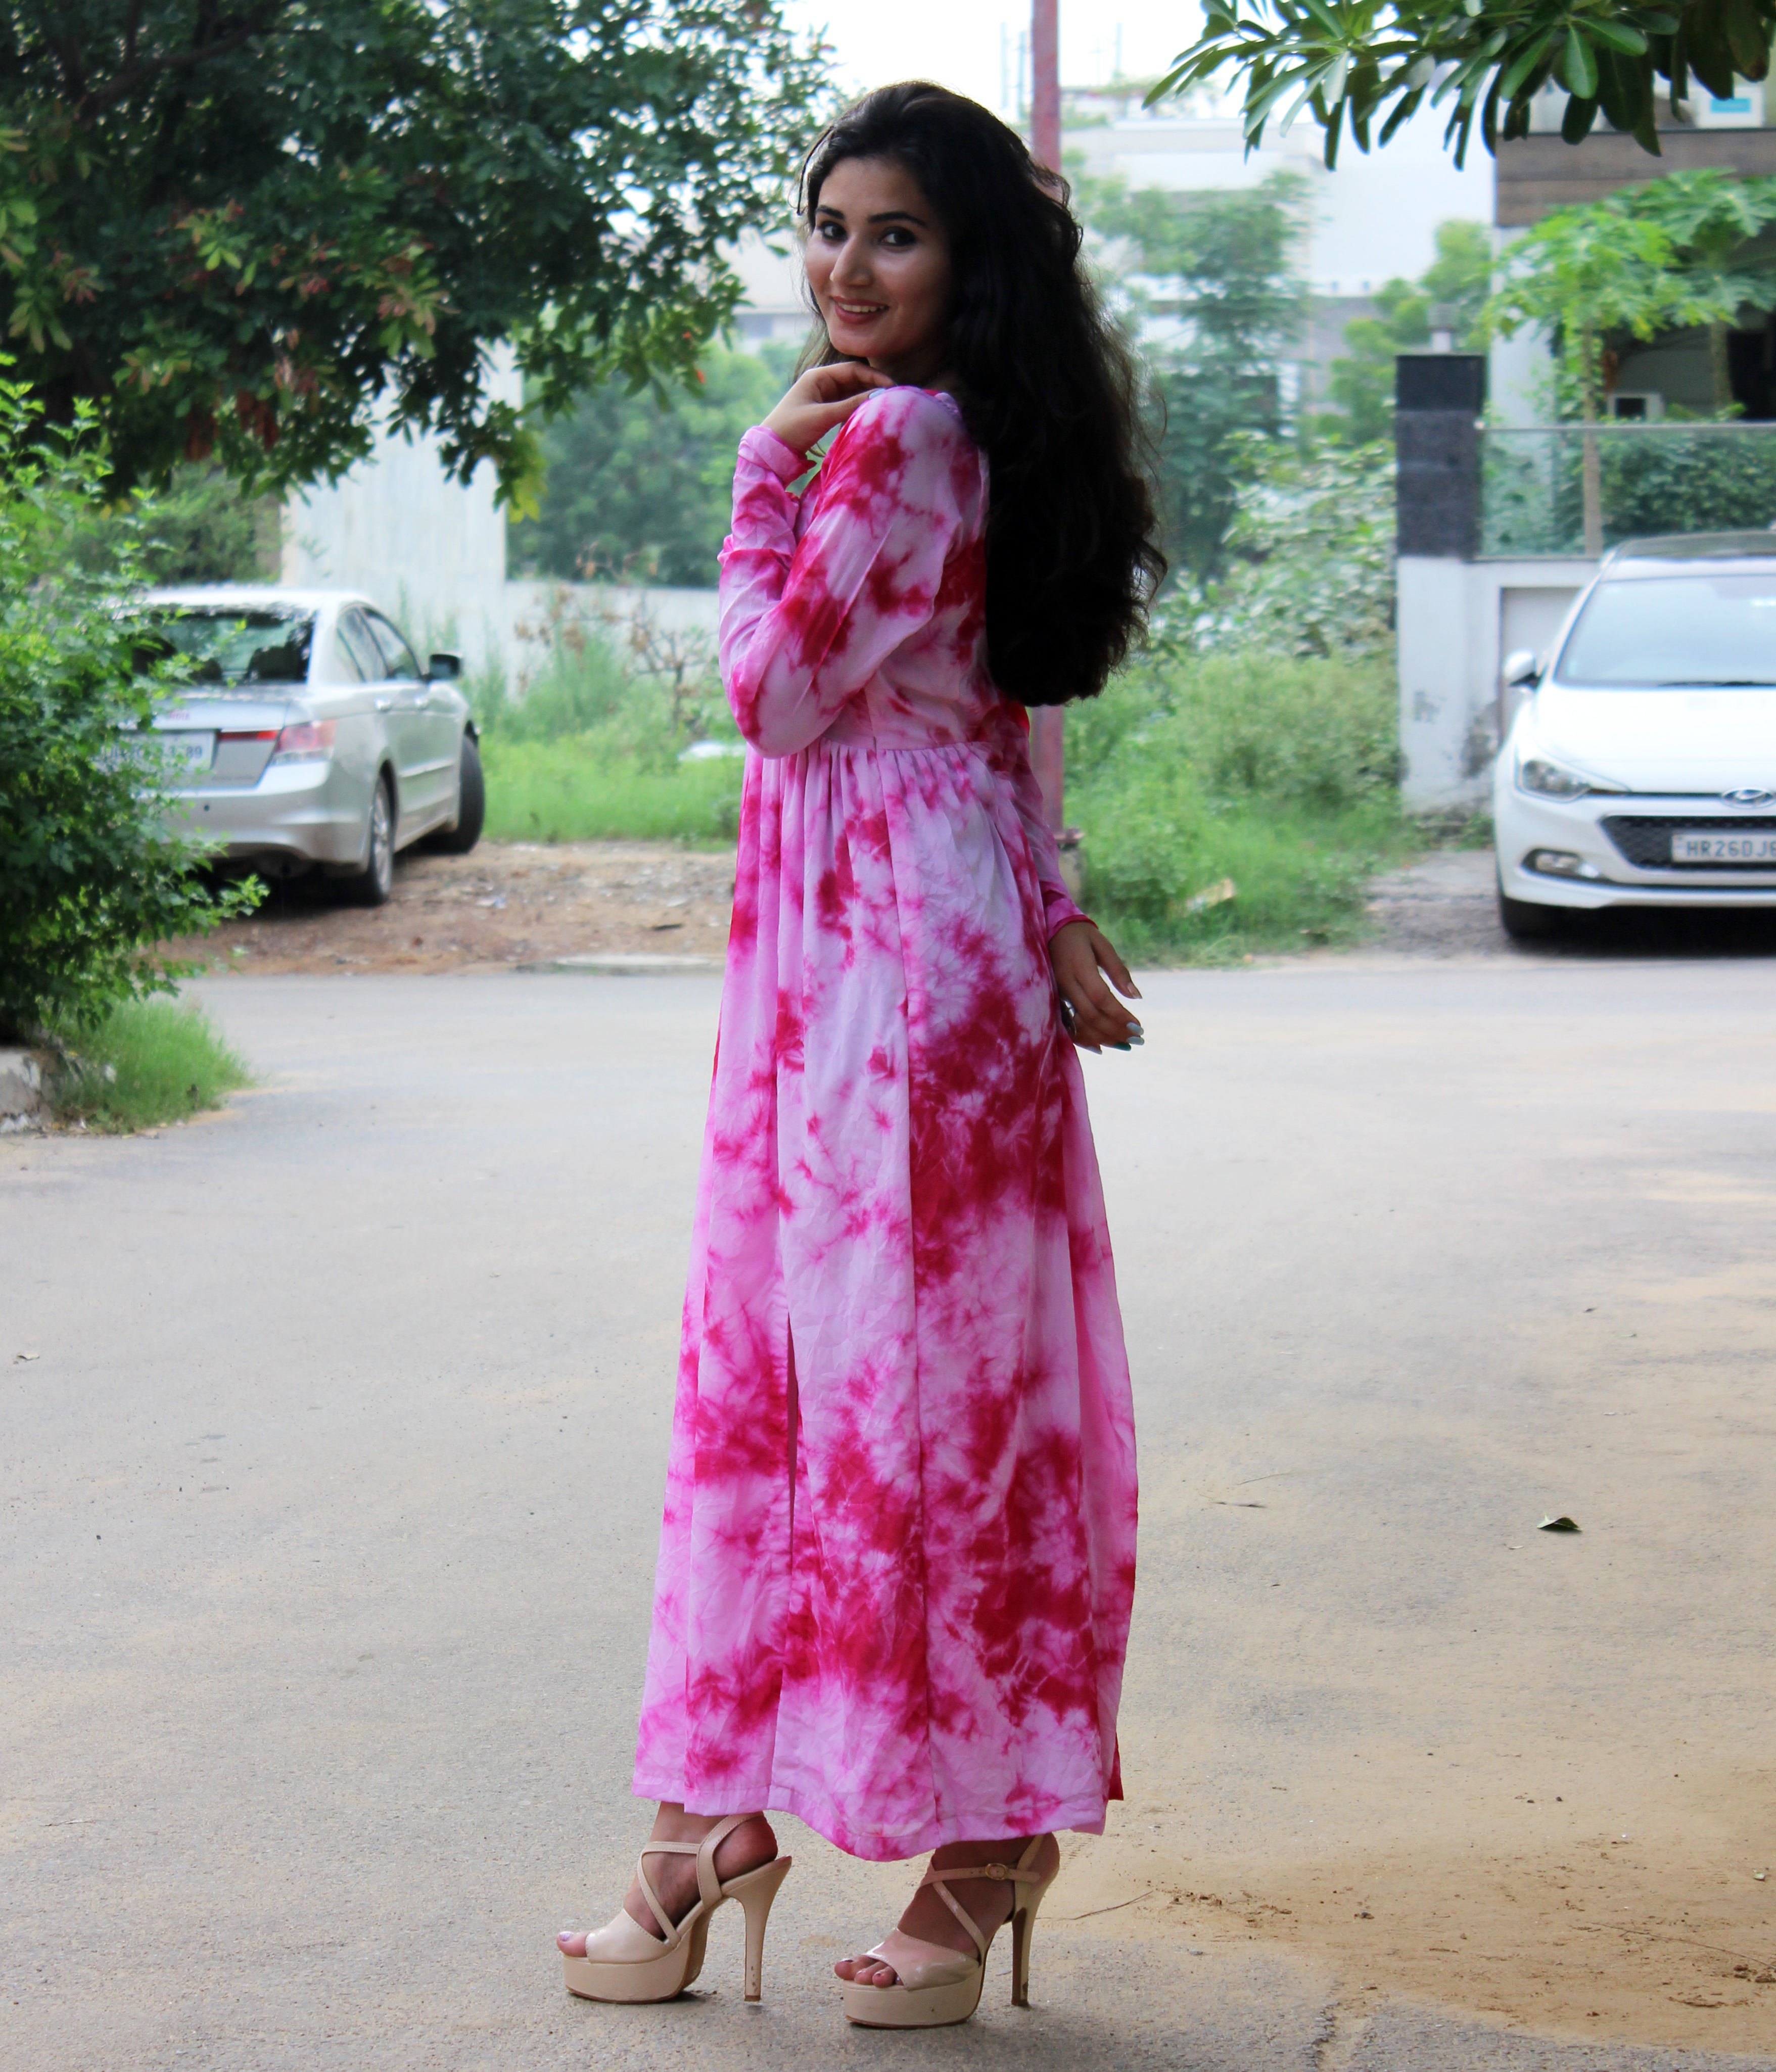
[
  {"x": 1137, "y": 1039},
  {"x": 1122, "y": 1046},
  {"x": 1135, "y": 1028}
]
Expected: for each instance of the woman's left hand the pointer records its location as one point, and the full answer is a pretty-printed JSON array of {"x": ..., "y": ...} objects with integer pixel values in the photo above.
[{"x": 1079, "y": 955}]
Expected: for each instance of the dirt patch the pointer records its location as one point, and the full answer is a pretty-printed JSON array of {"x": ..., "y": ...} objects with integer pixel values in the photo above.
[
  {"x": 504, "y": 905},
  {"x": 1662, "y": 1940}
]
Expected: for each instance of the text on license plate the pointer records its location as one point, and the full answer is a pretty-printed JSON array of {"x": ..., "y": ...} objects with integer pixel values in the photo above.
[
  {"x": 1723, "y": 848},
  {"x": 188, "y": 751}
]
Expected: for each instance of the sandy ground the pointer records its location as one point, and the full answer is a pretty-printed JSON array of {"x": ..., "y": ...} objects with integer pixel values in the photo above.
[
  {"x": 504, "y": 905},
  {"x": 329, "y": 1501},
  {"x": 523, "y": 906}
]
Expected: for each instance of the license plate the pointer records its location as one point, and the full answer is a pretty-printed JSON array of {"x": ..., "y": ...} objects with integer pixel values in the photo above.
[
  {"x": 189, "y": 753},
  {"x": 1723, "y": 848}
]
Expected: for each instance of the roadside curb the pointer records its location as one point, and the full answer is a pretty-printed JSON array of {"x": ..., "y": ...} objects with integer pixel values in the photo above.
[
  {"x": 24, "y": 1099},
  {"x": 618, "y": 964}
]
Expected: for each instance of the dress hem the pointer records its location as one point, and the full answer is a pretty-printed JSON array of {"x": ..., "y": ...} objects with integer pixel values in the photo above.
[{"x": 1080, "y": 1817}]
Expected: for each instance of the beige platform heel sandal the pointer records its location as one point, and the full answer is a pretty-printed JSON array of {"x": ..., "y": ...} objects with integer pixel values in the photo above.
[
  {"x": 623, "y": 1961},
  {"x": 939, "y": 1986}
]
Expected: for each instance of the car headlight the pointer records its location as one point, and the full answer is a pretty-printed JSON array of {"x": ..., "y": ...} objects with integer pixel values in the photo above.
[{"x": 1550, "y": 780}]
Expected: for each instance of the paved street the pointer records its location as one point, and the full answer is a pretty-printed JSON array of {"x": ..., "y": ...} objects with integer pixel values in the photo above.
[{"x": 331, "y": 1493}]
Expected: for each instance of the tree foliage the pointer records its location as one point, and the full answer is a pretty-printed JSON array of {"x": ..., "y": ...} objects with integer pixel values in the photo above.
[
  {"x": 640, "y": 483},
  {"x": 1366, "y": 66},
  {"x": 232, "y": 228},
  {"x": 1360, "y": 384},
  {"x": 1210, "y": 285},
  {"x": 1661, "y": 257},
  {"x": 1310, "y": 557},
  {"x": 91, "y": 873}
]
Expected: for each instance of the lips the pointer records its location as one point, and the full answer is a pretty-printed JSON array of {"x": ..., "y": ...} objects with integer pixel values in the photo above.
[{"x": 859, "y": 312}]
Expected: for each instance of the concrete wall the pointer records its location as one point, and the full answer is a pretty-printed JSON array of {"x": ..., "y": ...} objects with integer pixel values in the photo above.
[
  {"x": 1457, "y": 621},
  {"x": 430, "y": 550}
]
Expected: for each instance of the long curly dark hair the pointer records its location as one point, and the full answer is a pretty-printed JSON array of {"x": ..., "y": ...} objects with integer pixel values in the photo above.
[{"x": 1045, "y": 383}]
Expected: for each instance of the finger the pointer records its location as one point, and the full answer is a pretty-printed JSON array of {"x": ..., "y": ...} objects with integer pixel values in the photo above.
[
  {"x": 1098, "y": 1021},
  {"x": 844, "y": 377},
  {"x": 1090, "y": 991},
  {"x": 1109, "y": 961}
]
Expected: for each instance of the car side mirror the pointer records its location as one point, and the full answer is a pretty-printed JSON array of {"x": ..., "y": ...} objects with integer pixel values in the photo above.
[
  {"x": 1520, "y": 669},
  {"x": 444, "y": 668}
]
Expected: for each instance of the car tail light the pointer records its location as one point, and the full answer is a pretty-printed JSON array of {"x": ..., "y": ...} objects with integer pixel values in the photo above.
[{"x": 308, "y": 741}]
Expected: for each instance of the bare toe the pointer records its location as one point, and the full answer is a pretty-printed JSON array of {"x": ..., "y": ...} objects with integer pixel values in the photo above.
[{"x": 571, "y": 1944}]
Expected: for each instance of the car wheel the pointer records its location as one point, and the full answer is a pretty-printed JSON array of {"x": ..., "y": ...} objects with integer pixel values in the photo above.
[
  {"x": 471, "y": 806},
  {"x": 1524, "y": 921},
  {"x": 372, "y": 885}
]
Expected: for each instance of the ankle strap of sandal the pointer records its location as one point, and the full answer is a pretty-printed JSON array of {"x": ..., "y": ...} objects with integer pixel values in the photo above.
[
  {"x": 709, "y": 1885},
  {"x": 1014, "y": 1875}
]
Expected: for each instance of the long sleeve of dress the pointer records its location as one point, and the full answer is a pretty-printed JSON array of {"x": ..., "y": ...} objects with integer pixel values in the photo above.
[
  {"x": 1058, "y": 907},
  {"x": 806, "y": 623}
]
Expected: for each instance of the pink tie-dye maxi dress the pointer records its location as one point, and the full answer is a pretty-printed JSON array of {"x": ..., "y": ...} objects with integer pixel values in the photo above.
[{"x": 899, "y": 1548}]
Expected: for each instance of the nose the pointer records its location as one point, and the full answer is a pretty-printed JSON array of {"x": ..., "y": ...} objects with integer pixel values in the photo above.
[{"x": 851, "y": 268}]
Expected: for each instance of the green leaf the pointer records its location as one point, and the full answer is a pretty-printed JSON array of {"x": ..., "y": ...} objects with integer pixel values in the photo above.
[
  {"x": 1578, "y": 68},
  {"x": 1577, "y": 118},
  {"x": 1618, "y": 36}
]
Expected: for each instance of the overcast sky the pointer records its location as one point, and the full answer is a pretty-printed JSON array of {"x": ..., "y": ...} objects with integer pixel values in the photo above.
[{"x": 970, "y": 45}]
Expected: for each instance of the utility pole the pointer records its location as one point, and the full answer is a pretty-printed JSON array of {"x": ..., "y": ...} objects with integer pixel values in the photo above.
[{"x": 1047, "y": 727}]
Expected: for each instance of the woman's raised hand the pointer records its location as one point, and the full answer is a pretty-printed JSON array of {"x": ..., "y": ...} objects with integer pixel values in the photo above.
[
  {"x": 1081, "y": 956},
  {"x": 823, "y": 398}
]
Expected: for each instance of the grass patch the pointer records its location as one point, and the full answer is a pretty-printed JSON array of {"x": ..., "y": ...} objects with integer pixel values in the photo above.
[
  {"x": 148, "y": 1062},
  {"x": 1276, "y": 773},
  {"x": 589, "y": 790}
]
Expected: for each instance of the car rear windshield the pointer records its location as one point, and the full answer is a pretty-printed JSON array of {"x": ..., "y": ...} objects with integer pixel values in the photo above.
[
  {"x": 1659, "y": 632},
  {"x": 262, "y": 646}
]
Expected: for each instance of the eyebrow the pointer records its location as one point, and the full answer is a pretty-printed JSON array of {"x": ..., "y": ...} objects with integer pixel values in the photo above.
[{"x": 887, "y": 216}]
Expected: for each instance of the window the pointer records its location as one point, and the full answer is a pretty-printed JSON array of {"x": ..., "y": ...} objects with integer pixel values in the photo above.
[
  {"x": 395, "y": 653},
  {"x": 1662, "y": 632},
  {"x": 355, "y": 643},
  {"x": 255, "y": 647}
]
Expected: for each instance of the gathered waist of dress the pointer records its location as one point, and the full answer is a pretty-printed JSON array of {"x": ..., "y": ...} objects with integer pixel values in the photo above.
[{"x": 852, "y": 732}]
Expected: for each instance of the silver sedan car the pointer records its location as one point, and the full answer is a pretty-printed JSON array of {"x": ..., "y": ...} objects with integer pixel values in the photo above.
[{"x": 308, "y": 735}]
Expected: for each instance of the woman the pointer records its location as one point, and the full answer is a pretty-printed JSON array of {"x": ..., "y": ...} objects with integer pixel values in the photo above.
[{"x": 898, "y": 1554}]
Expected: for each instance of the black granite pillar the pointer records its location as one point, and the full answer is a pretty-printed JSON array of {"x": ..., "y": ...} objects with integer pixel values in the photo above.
[{"x": 1438, "y": 397}]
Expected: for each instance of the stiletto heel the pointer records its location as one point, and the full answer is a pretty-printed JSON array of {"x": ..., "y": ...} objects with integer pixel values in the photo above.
[
  {"x": 938, "y": 1986},
  {"x": 755, "y": 1892},
  {"x": 624, "y": 1962},
  {"x": 1023, "y": 1928}
]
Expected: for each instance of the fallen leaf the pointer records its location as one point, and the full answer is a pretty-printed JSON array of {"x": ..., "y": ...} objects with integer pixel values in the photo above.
[
  {"x": 1216, "y": 895},
  {"x": 24, "y": 1356},
  {"x": 1562, "y": 1524}
]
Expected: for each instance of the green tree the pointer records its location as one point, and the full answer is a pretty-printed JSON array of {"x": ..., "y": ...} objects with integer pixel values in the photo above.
[
  {"x": 640, "y": 483},
  {"x": 1217, "y": 272},
  {"x": 234, "y": 228},
  {"x": 1360, "y": 384},
  {"x": 1365, "y": 67},
  {"x": 1711, "y": 218},
  {"x": 1582, "y": 273},
  {"x": 91, "y": 873}
]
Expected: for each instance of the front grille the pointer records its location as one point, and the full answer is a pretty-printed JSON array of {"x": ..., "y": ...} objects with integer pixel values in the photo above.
[{"x": 1646, "y": 842}]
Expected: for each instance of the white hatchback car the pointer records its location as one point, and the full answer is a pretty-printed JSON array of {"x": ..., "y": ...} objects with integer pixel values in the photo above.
[
  {"x": 309, "y": 734},
  {"x": 1640, "y": 768}
]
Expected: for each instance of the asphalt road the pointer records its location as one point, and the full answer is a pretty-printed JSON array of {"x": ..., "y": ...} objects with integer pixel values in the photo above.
[{"x": 330, "y": 1495}]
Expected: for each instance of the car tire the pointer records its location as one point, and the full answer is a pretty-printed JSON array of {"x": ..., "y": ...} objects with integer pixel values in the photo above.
[
  {"x": 373, "y": 886},
  {"x": 1525, "y": 922},
  {"x": 471, "y": 807}
]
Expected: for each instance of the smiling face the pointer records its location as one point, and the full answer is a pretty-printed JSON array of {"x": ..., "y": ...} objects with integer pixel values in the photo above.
[{"x": 878, "y": 262}]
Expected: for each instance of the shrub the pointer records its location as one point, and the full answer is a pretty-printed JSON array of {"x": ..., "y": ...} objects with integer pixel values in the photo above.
[
  {"x": 91, "y": 872},
  {"x": 1273, "y": 772}
]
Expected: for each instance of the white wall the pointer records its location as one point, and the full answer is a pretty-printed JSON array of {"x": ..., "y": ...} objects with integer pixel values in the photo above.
[
  {"x": 431, "y": 551},
  {"x": 1457, "y": 621}
]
